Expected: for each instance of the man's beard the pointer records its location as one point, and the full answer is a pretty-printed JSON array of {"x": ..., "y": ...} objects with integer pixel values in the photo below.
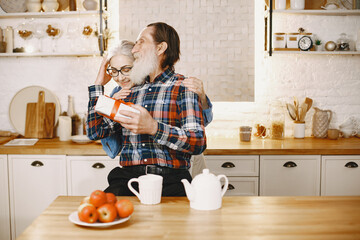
[{"x": 143, "y": 66}]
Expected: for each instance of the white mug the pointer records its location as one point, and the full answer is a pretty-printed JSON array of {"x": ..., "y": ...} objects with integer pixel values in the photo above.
[{"x": 150, "y": 188}]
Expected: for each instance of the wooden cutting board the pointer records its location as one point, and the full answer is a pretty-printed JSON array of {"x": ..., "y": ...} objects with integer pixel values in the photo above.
[{"x": 40, "y": 118}]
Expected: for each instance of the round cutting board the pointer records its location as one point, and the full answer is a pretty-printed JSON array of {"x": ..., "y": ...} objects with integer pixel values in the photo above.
[
  {"x": 17, "y": 108},
  {"x": 13, "y": 6}
]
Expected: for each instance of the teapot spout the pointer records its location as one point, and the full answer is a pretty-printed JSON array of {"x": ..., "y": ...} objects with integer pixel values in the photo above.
[{"x": 190, "y": 193}]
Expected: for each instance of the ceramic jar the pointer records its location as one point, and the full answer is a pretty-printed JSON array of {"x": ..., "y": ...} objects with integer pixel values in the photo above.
[
  {"x": 50, "y": 5},
  {"x": 90, "y": 4},
  {"x": 33, "y": 5},
  {"x": 279, "y": 40},
  {"x": 280, "y": 4},
  {"x": 297, "y": 4},
  {"x": 9, "y": 39}
]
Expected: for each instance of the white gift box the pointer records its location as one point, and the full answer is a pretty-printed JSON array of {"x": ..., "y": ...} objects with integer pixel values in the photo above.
[{"x": 110, "y": 107}]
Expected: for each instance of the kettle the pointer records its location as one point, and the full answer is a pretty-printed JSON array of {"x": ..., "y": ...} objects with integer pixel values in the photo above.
[
  {"x": 205, "y": 191},
  {"x": 321, "y": 121}
]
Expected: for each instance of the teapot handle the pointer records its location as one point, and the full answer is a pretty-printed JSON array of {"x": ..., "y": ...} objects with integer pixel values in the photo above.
[{"x": 225, "y": 187}]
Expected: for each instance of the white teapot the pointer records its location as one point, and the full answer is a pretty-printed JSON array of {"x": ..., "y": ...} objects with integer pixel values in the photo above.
[{"x": 205, "y": 192}]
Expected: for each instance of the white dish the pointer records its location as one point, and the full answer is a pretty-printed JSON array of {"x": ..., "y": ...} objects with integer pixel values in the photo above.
[
  {"x": 17, "y": 108},
  {"x": 74, "y": 218},
  {"x": 80, "y": 139},
  {"x": 22, "y": 142},
  {"x": 13, "y": 6}
]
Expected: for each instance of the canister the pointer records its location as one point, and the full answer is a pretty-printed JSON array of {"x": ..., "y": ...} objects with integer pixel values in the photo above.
[
  {"x": 292, "y": 40},
  {"x": 9, "y": 39},
  {"x": 279, "y": 40}
]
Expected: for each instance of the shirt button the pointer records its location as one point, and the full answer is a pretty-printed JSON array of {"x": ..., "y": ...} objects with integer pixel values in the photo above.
[
  {"x": 149, "y": 89},
  {"x": 145, "y": 160},
  {"x": 143, "y": 144},
  {"x": 146, "y": 106}
]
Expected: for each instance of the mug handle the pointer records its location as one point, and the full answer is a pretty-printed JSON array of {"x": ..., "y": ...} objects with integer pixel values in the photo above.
[
  {"x": 132, "y": 189},
  {"x": 225, "y": 187}
]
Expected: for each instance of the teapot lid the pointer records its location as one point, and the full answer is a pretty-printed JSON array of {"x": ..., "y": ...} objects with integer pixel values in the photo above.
[{"x": 205, "y": 178}]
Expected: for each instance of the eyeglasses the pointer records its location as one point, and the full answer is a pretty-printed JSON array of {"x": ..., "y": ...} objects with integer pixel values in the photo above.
[{"x": 125, "y": 71}]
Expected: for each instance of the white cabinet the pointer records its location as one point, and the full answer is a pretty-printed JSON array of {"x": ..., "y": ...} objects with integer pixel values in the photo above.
[
  {"x": 89, "y": 173},
  {"x": 4, "y": 200},
  {"x": 242, "y": 172},
  {"x": 35, "y": 181},
  {"x": 340, "y": 175},
  {"x": 290, "y": 175}
]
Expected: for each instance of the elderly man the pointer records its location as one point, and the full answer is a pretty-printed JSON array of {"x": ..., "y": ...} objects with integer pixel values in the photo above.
[{"x": 169, "y": 127}]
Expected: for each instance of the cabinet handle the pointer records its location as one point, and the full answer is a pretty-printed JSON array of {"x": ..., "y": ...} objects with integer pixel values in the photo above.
[
  {"x": 351, "y": 165},
  {"x": 98, "y": 165},
  {"x": 37, "y": 164},
  {"x": 228, "y": 165},
  {"x": 290, "y": 164},
  {"x": 230, "y": 187}
]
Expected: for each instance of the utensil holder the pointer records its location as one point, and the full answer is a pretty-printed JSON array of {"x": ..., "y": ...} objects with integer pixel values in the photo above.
[{"x": 299, "y": 130}]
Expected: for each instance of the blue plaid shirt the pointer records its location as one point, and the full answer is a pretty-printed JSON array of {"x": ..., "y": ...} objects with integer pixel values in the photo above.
[{"x": 181, "y": 131}]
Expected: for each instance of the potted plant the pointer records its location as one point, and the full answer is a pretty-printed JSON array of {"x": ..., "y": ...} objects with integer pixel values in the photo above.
[{"x": 318, "y": 45}]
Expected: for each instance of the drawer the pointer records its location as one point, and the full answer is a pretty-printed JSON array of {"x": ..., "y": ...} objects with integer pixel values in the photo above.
[
  {"x": 88, "y": 173},
  {"x": 242, "y": 186},
  {"x": 340, "y": 176},
  {"x": 233, "y": 166},
  {"x": 285, "y": 175}
]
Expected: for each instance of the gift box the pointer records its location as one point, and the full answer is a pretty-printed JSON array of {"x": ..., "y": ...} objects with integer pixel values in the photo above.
[{"x": 110, "y": 107}]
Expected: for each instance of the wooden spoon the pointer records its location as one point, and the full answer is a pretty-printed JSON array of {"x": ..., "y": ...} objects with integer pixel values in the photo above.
[
  {"x": 303, "y": 111},
  {"x": 292, "y": 111},
  {"x": 309, "y": 102}
]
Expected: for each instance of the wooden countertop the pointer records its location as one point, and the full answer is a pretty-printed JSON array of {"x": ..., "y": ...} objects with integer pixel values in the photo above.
[
  {"x": 239, "y": 218},
  {"x": 215, "y": 146}
]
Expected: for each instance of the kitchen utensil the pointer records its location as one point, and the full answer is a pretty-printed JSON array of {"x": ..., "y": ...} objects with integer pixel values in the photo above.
[
  {"x": 17, "y": 108},
  {"x": 150, "y": 188},
  {"x": 40, "y": 118},
  {"x": 205, "y": 191},
  {"x": 309, "y": 103},
  {"x": 302, "y": 112},
  {"x": 291, "y": 110},
  {"x": 321, "y": 121},
  {"x": 299, "y": 130}
]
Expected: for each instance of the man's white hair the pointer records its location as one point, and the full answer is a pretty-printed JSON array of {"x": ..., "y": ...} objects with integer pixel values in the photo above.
[{"x": 124, "y": 47}]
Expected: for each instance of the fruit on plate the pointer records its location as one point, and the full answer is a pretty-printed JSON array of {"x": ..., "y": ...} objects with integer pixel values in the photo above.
[
  {"x": 107, "y": 213},
  {"x": 111, "y": 198},
  {"x": 98, "y": 198},
  {"x": 88, "y": 213},
  {"x": 103, "y": 207},
  {"x": 124, "y": 208}
]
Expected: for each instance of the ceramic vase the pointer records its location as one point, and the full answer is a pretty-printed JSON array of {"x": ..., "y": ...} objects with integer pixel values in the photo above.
[
  {"x": 50, "y": 5},
  {"x": 33, "y": 5},
  {"x": 90, "y": 5}
]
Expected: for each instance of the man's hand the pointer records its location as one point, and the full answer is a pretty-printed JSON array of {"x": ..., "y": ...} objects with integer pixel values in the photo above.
[
  {"x": 122, "y": 94},
  {"x": 140, "y": 123},
  {"x": 196, "y": 85},
  {"x": 102, "y": 77}
]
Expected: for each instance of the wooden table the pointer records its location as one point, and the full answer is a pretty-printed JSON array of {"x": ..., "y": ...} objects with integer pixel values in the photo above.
[{"x": 239, "y": 218}]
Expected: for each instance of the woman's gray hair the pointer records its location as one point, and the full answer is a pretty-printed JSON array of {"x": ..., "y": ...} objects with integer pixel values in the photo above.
[{"x": 124, "y": 47}]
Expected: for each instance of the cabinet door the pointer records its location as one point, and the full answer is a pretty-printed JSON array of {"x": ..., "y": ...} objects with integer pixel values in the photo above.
[
  {"x": 290, "y": 175},
  {"x": 340, "y": 175},
  {"x": 88, "y": 173},
  {"x": 4, "y": 200},
  {"x": 235, "y": 166},
  {"x": 35, "y": 181}
]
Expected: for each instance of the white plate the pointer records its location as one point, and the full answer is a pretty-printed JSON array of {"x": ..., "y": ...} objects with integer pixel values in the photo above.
[
  {"x": 17, "y": 108},
  {"x": 80, "y": 139},
  {"x": 13, "y": 6},
  {"x": 74, "y": 218}
]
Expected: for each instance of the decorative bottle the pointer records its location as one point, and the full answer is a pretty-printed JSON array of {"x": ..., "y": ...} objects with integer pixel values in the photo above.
[{"x": 75, "y": 119}]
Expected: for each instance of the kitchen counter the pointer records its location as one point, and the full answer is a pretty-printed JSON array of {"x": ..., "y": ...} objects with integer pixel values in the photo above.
[
  {"x": 239, "y": 218},
  {"x": 215, "y": 146}
]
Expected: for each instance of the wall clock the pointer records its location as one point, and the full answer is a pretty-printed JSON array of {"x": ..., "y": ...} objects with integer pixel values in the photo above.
[{"x": 305, "y": 43}]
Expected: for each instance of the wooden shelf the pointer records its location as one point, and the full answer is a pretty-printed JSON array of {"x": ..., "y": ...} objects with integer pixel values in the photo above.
[
  {"x": 319, "y": 52},
  {"x": 50, "y": 14},
  {"x": 320, "y": 12},
  {"x": 55, "y": 54}
]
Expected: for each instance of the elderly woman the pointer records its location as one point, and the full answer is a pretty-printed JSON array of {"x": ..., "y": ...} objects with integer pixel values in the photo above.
[{"x": 117, "y": 65}]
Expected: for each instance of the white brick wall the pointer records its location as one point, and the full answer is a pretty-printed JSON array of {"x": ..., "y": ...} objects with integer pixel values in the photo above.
[{"x": 332, "y": 81}]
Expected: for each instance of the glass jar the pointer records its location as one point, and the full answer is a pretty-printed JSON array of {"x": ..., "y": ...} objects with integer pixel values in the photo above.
[
  {"x": 343, "y": 43},
  {"x": 277, "y": 120}
]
